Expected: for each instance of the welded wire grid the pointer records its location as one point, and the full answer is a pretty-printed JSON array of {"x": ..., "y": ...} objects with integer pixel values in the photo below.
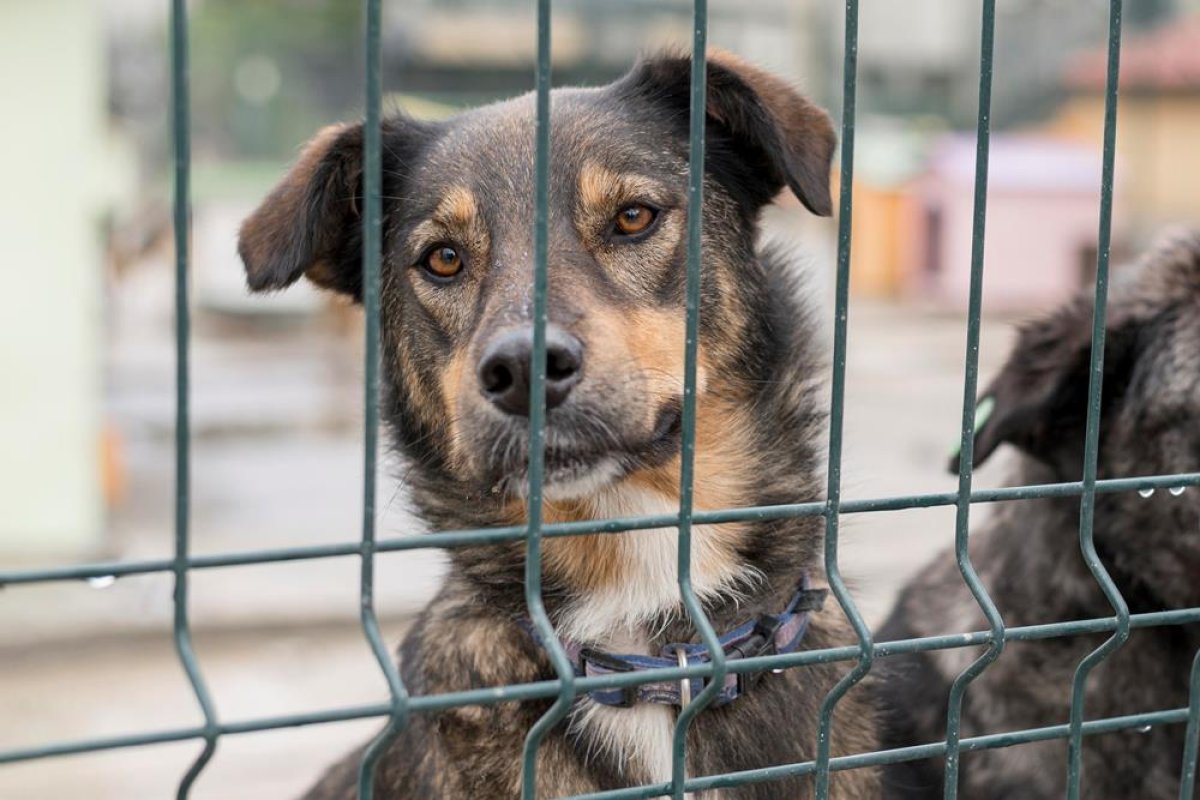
[{"x": 399, "y": 706}]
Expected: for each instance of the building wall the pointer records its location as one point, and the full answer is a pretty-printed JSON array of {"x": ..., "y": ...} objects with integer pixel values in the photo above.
[
  {"x": 51, "y": 79},
  {"x": 1040, "y": 247},
  {"x": 884, "y": 227},
  {"x": 1157, "y": 150},
  {"x": 1036, "y": 252}
]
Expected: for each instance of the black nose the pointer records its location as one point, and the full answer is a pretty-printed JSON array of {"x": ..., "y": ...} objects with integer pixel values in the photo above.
[{"x": 506, "y": 367}]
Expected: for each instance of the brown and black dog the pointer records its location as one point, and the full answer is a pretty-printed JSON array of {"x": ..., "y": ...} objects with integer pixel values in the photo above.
[
  {"x": 456, "y": 334},
  {"x": 1028, "y": 555}
]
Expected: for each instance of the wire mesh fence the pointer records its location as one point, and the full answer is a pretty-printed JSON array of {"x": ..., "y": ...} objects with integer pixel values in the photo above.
[{"x": 859, "y": 658}]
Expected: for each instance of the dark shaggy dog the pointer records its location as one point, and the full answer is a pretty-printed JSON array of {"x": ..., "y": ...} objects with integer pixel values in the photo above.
[
  {"x": 1028, "y": 554},
  {"x": 456, "y": 332}
]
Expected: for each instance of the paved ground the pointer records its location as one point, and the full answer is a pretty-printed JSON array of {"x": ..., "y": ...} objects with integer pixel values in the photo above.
[{"x": 277, "y": 462}]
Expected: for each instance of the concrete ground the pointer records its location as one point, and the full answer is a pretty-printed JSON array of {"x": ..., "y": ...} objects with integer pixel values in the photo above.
[{"x": 277, "y": 462}]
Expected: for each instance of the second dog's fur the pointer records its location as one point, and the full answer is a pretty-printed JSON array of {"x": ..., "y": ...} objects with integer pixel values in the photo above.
[
  {"x": 456, "y": 331},
  {"x": 1028, "y": 555}
]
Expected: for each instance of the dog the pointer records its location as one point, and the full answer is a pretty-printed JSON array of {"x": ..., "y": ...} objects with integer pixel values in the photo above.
[
  {"x": 456, "y": 335},
  {"x": 1028, "y": 556}
]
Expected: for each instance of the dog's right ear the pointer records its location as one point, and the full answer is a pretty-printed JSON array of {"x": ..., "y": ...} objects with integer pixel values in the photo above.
[
  {"x": 310, "y": 224},
  {"x": 762, "y": 134}
]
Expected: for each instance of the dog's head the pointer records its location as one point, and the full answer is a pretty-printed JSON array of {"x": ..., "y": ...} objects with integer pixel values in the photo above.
[
  {"x": 1150, "y": 422},
  {"x": 458, "y": 258}
]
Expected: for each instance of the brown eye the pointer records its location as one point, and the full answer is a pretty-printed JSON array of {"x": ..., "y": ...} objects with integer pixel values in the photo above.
[
  {"x": 442, "y": 261},
  {"x": 634, "y": 219}
]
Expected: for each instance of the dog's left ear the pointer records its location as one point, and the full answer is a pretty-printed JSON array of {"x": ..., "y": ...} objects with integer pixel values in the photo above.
[
  {"x": 1038, "y": 402},
  {"x": 762, "y": 134}
]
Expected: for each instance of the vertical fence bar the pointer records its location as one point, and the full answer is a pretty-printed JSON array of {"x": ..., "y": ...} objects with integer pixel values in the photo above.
[
  {"x": 970, "y": 385},
  {"x": 1191, "y": 742},
  {"x": 1087, "y": 503},
  {"x": 181, "y": 133},
  {"x": 371, "y": 257},
  {"x": 687, "y": 455},
  {"x": 537, "y": 420},
  {"x": 836, "y": 410}
]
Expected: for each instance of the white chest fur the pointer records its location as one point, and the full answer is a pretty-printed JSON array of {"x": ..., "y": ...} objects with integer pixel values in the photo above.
[
  {"x": 616, "y": 619},
  {"x": 649, "y": 586}
]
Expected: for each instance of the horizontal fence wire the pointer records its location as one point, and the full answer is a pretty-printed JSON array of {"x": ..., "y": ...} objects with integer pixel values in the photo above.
[
  {"x": 544, "y": 689},
  {"x": 898, "y": 755},
  {"x": 616, "y": 525},
  {"x": 838, "y": 763},
  {"x": 566, "y": 686}
]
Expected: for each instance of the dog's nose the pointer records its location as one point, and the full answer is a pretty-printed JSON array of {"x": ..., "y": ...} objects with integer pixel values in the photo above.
[{"x": 506, "y": 367}]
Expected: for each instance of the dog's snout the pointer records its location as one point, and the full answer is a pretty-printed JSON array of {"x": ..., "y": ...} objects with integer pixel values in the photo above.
[{"x": 506, "y": 368}]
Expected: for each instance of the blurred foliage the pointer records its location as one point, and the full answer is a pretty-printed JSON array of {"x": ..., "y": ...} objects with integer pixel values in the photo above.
[{"x": 266, "y": 74}]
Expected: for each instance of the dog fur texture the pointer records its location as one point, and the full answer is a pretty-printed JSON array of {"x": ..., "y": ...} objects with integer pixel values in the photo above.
[
  {"x": 1028, "y": 555},
  {"x": 456, "y": 276}
]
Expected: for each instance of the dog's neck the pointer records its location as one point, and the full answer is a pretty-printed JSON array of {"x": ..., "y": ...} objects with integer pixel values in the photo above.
[
  {"x": 627, "y": 584},
  {"x": 624, "y": 587}
]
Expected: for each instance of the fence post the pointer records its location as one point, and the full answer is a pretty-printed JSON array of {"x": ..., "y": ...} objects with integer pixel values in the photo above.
[
  {"x": 372, "y": 227},
  {"x": 970, "y": 383},
  {"x": 181, "y": 631},
  {"x": 1087, "y": 502},
  {"x": 837, "y": 409},
  {"x": 697, "y": 114},
  {"x": 537, "y": 422}
]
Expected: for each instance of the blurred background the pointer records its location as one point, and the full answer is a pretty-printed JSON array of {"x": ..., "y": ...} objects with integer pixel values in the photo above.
[{"x": 87, "y": 349}]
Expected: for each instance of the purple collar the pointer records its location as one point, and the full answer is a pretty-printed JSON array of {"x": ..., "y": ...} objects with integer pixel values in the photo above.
[{"x": 767, "y": 634}]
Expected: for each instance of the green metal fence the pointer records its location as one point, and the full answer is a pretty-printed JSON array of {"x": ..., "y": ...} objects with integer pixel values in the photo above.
[{"x": 399, "y": 705}]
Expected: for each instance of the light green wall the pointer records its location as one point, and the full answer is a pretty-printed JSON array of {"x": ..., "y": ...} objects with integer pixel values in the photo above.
[{"x": 52, "y": 87}]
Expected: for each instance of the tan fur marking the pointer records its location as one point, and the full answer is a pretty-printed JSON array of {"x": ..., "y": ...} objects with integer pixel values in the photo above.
[
  {"x": 588, "y": 562},
  {"x": 721, "y": 477},
  {"x": 651, "y": 345},
  {"x": 452, "y": 381},
  {"x": 458, "y": 207},
  {"x": 655, "y": 340},
  {"x": 601, "y": 189}
]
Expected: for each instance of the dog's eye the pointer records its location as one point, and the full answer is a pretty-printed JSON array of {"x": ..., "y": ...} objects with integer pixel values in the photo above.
[
  {"x": 634, "y": 219},
  {"x": 442, "y": 261}
]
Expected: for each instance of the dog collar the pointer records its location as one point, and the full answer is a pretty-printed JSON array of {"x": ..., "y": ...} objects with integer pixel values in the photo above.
[{"x": 767, "y": 634}]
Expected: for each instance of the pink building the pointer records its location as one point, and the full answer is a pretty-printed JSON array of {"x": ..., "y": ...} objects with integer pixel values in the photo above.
[{"x": 1042, "y": 221}]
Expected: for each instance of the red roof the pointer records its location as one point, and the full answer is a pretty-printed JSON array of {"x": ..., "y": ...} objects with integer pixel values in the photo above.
[{"x": 1165, "y": 59}]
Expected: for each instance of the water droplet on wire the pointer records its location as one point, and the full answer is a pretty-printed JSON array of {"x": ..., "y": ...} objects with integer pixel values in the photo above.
[
  {"x": 1149, "y": 492},
  {"x": 1177, "y": 490},
  {"x": 101, "y": 581}
]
